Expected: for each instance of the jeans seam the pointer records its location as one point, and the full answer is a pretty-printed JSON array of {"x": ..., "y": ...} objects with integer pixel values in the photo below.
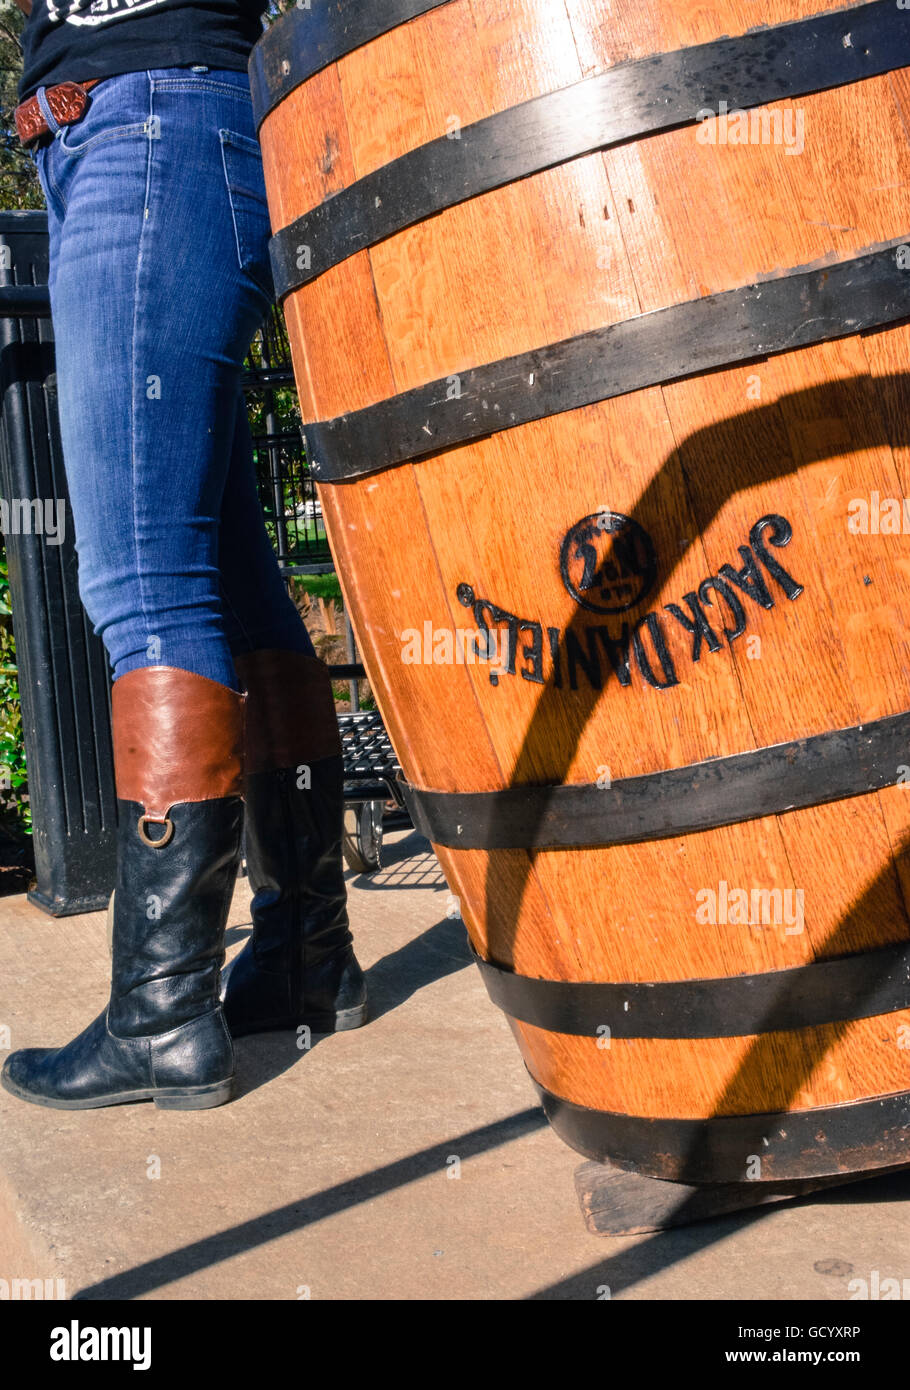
[
  {"x": 234, "y": 191},
  {"x": 134, "y": 370},
  {"x": 52, "y": 181},
  {"x": 184, "y": 84}
]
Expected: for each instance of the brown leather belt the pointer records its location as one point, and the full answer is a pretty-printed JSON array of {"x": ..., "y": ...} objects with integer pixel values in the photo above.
[{"x": 67, "y": 102}]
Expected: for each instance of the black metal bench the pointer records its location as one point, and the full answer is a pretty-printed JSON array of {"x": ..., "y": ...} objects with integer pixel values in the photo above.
[{"x": 372, "y": 790}]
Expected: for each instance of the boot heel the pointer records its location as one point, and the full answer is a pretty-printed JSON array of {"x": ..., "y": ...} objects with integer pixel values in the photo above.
[
  {"x": 195, "y": 1097},
  {"x": 356, "y": 1017}
]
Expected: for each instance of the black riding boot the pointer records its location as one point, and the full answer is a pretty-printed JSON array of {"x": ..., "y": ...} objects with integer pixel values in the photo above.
[
  {"x": 299, "y": 965},
  {"x": 178, "y": 742}
]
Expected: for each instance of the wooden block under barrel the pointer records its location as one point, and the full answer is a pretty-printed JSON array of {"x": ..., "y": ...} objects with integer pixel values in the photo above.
[{"x": 615, "y": 1202}]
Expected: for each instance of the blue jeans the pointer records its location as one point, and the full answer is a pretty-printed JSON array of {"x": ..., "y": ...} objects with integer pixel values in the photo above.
[{"x": 159, "y": 277}]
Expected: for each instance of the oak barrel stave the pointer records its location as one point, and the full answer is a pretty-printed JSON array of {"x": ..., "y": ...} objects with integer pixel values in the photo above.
[{"x": 696, "y": 463}]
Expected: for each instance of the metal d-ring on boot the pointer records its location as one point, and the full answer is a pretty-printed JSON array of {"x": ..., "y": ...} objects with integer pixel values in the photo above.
[
  {"x": 299, "y": 965},
  {"x": 178, "y": 742}
]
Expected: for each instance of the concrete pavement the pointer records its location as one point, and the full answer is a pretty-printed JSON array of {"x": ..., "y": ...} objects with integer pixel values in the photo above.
[{"x": 407, "y": 1160}]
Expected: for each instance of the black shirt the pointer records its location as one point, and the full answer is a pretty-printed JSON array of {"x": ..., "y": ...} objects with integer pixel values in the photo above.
[{"x": 75, "y": 40}]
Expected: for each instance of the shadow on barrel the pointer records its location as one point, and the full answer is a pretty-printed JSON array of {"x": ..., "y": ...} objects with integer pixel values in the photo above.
[{"x": 877, "y": 410}]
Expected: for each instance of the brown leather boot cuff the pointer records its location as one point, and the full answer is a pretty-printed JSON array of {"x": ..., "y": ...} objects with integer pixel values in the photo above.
[
  {"x": 177, "y": 737},
  {"x": 290, "y": 710}
]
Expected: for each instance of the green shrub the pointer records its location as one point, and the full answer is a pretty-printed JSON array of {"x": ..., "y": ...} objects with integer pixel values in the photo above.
[
  {"x": 13, "y": 775},
  {"x": 324, "y": 586}
]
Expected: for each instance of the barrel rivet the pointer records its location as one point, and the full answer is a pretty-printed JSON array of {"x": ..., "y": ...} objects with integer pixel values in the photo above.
[{"x": 285, "y": 67}]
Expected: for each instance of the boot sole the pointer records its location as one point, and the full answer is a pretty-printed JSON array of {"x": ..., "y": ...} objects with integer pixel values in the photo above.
[
  {"x": 344, "y": 1021},
  {"x": 166, "y": 1098}
]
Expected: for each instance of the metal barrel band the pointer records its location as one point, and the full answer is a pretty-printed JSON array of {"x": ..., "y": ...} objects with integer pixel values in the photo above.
[
  {"x": 804, "y": 996},
  {"x": 792, "y": 310},
  {"x": 630, "y": 101},
  {"x": 848, "y": 1138},
  {"x": 310, "y": 38},
  {"x": 681, "y": 800}
]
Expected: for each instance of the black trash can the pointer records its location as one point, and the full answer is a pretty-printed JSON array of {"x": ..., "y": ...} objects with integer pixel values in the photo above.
[{"x": 64, "y": 677}]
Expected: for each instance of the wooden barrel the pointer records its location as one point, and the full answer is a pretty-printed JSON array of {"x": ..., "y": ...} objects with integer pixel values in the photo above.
[{"x": 599, "y": 322}]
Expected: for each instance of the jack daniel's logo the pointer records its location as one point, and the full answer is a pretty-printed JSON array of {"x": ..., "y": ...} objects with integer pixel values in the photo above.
[{"x": 609, "y": 564}]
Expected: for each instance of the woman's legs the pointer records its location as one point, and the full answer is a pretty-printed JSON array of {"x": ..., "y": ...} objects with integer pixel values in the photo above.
[
  {"x": 159, "y": 283},
  {"x": 159, "y": 278}
]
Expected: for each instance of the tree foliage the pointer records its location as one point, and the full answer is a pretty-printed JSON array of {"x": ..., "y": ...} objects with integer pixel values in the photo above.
[{"x": 19, "y": 186}]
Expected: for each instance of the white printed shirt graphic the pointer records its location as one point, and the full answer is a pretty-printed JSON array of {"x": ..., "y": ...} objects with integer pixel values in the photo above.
[{"x": 97, "y": 11}]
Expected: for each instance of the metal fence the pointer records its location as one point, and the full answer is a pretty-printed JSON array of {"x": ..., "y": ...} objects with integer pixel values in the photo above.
[{"x": 287, "y": 491}]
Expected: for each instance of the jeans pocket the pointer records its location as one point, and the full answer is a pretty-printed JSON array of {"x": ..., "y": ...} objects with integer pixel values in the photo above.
[
  {"x": 70, "y": 141},
  {"x": 242, "y": 160}
]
